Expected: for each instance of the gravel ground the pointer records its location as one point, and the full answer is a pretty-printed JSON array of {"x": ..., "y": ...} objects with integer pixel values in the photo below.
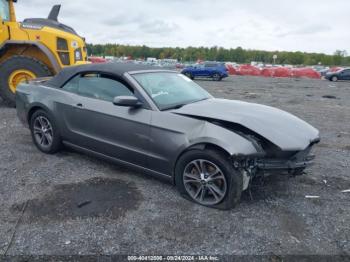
[{"x": 69, "y": 203}]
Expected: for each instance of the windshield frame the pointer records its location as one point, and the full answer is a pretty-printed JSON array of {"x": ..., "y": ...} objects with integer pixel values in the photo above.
[
  {"x": 171, "y": 106},
  {"x": 6, "y": 10}
]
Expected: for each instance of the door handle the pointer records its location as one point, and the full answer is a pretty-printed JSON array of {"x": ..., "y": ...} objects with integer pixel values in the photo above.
[{"x": 79, "y": 105}]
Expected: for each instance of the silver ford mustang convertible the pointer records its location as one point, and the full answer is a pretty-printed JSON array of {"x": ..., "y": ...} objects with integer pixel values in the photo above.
[{"x": 164, "y": 124}]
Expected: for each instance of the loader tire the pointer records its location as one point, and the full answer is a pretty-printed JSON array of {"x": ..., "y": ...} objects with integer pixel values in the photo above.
[{"x": 16, "y": 70}]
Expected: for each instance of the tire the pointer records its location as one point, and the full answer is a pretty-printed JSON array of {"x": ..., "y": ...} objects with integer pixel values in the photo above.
[
  {"x": 43, "y": 126},
  {"x": 230, "y": 194},
  {"x": 13, "y": 64},
  {"x": 189, "y": 75},
  {"x": 334, "y": 79},
  {"x": 216, "y": 77}
]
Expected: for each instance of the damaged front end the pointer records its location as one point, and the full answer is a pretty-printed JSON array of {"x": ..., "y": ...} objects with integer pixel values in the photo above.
[
  {"x": 284, "y": 153},
  {"x": 269, "y": 163},
  {"x": 298, "y": 161},
  {"x": 269, "y": 159}
]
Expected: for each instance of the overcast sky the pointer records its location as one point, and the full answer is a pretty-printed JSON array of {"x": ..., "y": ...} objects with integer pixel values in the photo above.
[{"x": 309, "y": 25}]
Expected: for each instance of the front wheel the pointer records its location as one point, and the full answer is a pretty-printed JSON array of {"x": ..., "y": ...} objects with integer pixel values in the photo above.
[
  {"x": 208, "y": 178},
  {"x": 189, "y": 75},
  {"x": 45, "y": 133},
  {"x": 334, "y": 78}
]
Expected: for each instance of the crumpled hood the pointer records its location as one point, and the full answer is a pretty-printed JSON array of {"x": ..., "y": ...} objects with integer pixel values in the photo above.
[{"x": 279, "y": 127}]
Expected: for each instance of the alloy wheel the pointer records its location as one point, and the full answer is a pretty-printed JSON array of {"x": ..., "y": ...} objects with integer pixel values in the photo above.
[
  {"x": 205, "y": 182},
  {"x": 43, "y": 132},
  {"x": 216, "y": 77}
]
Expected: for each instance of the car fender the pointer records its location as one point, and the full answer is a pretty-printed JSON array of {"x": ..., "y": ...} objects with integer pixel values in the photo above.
[
  {"x": 28, "y": 94},
  {"x": 36, "y": 106},
  {"x": 230, "y": 142}
]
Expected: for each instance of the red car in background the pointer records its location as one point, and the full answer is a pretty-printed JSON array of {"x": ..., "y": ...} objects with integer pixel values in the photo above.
[{"x": 96, "y": 60}]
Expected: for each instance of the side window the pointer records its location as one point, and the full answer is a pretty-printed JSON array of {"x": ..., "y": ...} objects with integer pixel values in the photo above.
[
  {"x": 72, "y": 85},
  {"x": 102, "y": 87},
  {"x": 210, "y": 65}
]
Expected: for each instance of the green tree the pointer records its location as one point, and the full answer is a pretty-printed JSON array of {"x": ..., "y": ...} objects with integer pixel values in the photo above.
[{"x": 238, "y": 54}]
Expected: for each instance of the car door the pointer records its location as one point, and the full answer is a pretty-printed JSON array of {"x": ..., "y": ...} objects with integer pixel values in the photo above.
[
  {"x": 346, "y": 74},
  {"x": 93, "y": 122},
  {"x": 208, "y": 70},
  {"x": 201, "y": 70}
]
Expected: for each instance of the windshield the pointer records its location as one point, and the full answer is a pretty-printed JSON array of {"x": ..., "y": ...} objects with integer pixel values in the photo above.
[
  {"x": 171, "y": 90},
  {"x": 4, "y": 10}
]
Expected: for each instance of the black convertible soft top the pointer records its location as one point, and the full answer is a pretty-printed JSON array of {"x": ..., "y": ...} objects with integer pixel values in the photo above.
[{"x": 117, "y": 69}]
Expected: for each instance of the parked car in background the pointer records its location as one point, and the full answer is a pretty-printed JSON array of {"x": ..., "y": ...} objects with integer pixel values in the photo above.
[
  {"x": 96, "y": 59},
  {"x": 215, "y": 71},
  {"x": 343, "y": 74},
  {"x": 179, "y": 66},
  {"x": 324, "y": 72}
]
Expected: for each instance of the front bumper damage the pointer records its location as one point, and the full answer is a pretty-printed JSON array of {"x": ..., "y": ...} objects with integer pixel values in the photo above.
[
  {"x": 261, "y": 166},
  {"x": 300, "y": 160}
]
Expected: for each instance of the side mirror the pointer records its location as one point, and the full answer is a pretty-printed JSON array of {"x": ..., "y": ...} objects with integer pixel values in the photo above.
[{"x": 127, "y": 101}]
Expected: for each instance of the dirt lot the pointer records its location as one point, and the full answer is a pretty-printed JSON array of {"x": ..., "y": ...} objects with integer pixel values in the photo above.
[{"x": 73, "y": 204}]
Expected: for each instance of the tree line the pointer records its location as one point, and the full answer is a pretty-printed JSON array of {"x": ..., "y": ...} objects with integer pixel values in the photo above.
[{"x": 238, "y": 55}]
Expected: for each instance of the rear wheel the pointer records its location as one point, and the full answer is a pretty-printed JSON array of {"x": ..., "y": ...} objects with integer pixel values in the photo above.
[
  {"x": 334, "y": 78},
  {"x": 45, "y": 133},
  {"x": 208, "y": 178},
  {"x": 16, "y": 70},
  {"x": 217, "y": 77}
]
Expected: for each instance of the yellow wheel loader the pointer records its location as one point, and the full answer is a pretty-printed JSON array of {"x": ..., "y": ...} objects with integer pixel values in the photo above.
[{"x": 36, "y": 47}]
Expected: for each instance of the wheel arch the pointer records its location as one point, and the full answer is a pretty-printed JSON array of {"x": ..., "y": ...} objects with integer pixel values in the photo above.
[
  {"x": 200, "y": 146},
  {"x": 35, "y": 107},
  {"x": 216, "y": 72},
  {"x": 218, "y": 138},
  {"x": 32, "y": 49}
]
